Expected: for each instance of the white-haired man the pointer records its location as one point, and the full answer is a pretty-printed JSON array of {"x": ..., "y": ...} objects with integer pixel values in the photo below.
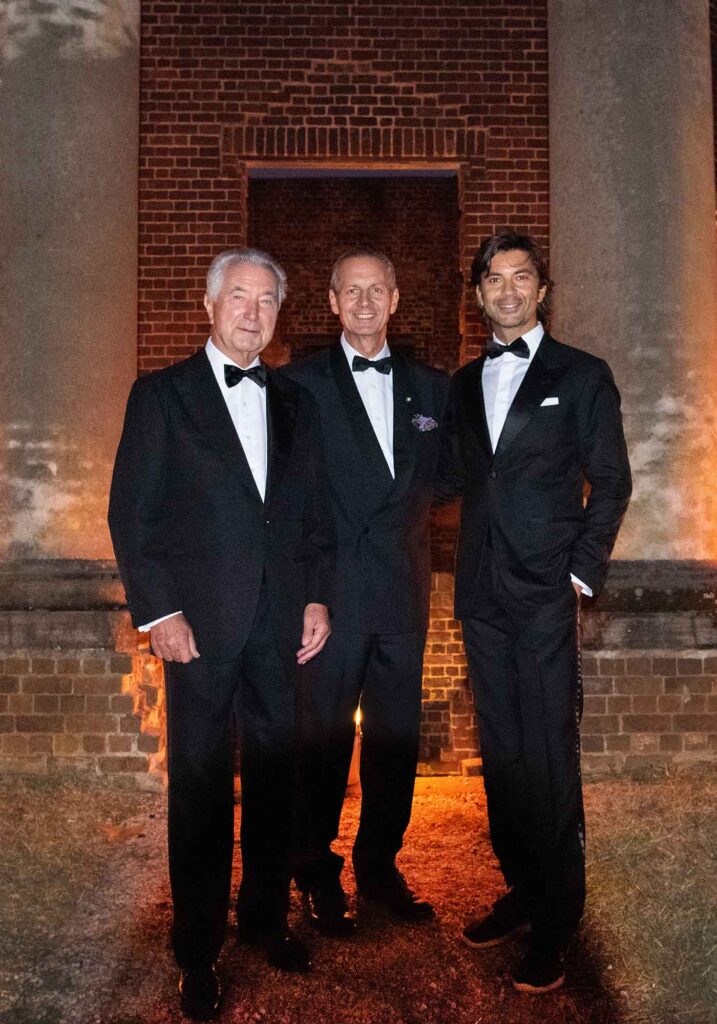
[{"x": 225, "y": 551}]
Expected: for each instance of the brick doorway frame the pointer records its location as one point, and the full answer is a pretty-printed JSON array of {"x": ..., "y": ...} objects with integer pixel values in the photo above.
[{"x": 460, "y": 150}]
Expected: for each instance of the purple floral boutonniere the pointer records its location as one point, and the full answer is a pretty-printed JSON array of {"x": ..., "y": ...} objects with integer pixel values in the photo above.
[{"x": 424, "y": 423}]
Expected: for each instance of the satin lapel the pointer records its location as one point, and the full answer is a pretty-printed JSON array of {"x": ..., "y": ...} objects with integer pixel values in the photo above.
[
  {"x": 475, "y": 407},
  {"x": 404, "y": 434},
  {"x": 281, "y": 407},
  {"x": 543, "y": 373},
  {"x": 200, "y": 394},
  {"x": 358, "y": 417}
]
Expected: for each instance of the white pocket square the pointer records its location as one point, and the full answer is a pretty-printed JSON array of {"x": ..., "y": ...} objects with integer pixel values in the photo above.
[{"x": 550, "y": 401}]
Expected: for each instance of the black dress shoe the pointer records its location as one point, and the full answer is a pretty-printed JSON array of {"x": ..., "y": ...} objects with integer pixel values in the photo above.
[
  {"x": 200, "y": 992},
  {"x": 391, "y": 891},
  {"x": 283, "y": 949},
  {"x": 327, "y": 909},
  {"x": 493, "y": 930},
  {"x": 539, "y": 971}
]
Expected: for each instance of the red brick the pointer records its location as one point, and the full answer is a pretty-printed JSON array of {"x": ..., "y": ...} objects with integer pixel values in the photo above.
[
  {"x": 638, "y": 666},
  {"x": 46, "y": 684},
  {"x": 671, "y": 742},
  {"x": 94, "y": 744},
  {"x": 695, "y": 723},
  {"x": 148, "y": 743},
  {"x": 97, "y": 684},
  {"x": 644, "y": 704},
  {"x": 592, "y": 724},
  {"x": 120, "y": 764},
  {"x": 47, "y": 704},
  {"x": 639, "y": 685},
  {"x": 597, "y": 685},
  {"x": 119, "y": 744},
  {"x": 120, "y": 663},
  {"x": 689, "y": 684},
  {"x": 593, "y": 744},
  {"x": 689, "y": 666},
  {"x": 91, "y": 723},
  {"x": 16, "y": 666},
  {"x": 617, "y": 743},
  {"x": 612, "y": 666},
  {"x": 7, "y": 723},
  {"x": 65, "y": 744},
  {"x": 619, "y": 703},
  {"x": 8, "y": 684},
  {"x": 664, "y": 666},
  {"x": 646, "y": 723},
  {"x": 42, "y": 666},
  {"x": 39, "y": 723},
  {"x": 122, "y": 704},
  {"x": 39, "y": 744}
]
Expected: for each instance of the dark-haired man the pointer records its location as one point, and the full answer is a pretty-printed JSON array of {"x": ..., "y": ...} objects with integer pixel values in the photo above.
[
  {"x": 380, "y": 413},
  {"x": 225, "y": 549},
  {"x": 530, "y": 423}
]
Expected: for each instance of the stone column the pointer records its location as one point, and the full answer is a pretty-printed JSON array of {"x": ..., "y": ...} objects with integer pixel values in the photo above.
[
  {"x": 633, "y": 245},
  {"x": 68, "y": 270}
]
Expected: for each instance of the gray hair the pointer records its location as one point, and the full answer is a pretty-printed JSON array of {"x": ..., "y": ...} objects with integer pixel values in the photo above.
[
  {"x": 362, "y": 252},
  {"x": 255, "y": 258}
]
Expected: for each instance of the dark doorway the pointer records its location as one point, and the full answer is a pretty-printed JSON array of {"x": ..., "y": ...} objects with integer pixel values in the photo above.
[{"x": 306, "y": 218}]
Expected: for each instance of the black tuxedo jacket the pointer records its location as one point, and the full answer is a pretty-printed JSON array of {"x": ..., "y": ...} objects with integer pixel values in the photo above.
[
  {"x": 563, "y": 428},
  {"x": 382, "y": 524},
  {"x": 189, "y": 527}
]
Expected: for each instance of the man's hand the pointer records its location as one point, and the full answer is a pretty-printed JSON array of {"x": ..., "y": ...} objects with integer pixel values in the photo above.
[
  {"x": 173, "y": 640},
  {"x": 316, "y": 632}
]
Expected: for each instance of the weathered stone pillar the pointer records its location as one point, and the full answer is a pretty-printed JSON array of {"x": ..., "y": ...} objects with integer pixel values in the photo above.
[
  {"x": 68, "y": 270},
  {"x": 633, "y": 245}
]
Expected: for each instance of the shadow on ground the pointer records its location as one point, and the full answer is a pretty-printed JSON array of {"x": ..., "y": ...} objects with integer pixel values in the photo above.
[{"x": 86, "y": 910}]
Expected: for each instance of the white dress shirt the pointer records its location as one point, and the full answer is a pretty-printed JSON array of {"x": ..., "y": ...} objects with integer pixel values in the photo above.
[
  {"x": 501, "y": 379},
  {"x": 376, "y": 390},
  {"x": 246, "y": 403}
]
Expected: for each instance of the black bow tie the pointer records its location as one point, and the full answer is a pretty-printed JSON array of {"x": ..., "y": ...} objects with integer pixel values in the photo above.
[
  {"x": 519, "y": 347},
  {"x": 233, "y": 374},
  {"x": 382, "y": 365}
]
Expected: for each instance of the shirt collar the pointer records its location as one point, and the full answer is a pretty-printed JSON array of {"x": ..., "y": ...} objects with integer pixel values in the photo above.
[
  {"x": 350, "y": 351},
  {"x": 532, "y": 338},
  {"x": 218, "y": 361}
]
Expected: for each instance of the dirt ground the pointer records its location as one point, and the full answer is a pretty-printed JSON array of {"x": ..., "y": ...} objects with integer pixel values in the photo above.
[{"x": 85, "y": 910}]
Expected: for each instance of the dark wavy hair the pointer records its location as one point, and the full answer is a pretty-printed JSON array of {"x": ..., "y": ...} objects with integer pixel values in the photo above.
[{"x": 505, "y": 241}]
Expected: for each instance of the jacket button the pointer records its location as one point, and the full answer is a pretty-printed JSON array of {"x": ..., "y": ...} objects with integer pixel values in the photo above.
[
  {"x": 267, "y": 522},
  {"x": 493, "y": 474}
]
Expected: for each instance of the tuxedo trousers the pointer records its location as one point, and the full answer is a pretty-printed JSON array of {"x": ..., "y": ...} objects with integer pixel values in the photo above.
[
  {"x": 383, "y": 672},
  {"x": 523, "y": 665},
  {"x": 201, "y": 698}
]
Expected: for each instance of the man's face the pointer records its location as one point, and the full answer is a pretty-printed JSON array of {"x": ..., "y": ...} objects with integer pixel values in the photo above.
[
  {"x": 363, "y": 302},
  {"x": 509, "y": 294},
  {"x": 243, "y": 314}
]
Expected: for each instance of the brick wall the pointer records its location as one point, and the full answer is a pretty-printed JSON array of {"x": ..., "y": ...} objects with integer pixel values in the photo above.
[
  {"x": 643, "y": 707},
  {"x": 448, "y": 728},
  {"x": 224, "y": 85},
  {"x": 90, "y": 712},
  {"x": 413, "y": 220}
]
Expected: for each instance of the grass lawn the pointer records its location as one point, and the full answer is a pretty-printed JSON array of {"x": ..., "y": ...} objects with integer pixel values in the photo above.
[{"x": 85, "y": 909}]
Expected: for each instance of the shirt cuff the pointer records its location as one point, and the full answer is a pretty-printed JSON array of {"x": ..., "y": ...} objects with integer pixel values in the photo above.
[
  {"x": 583, "y": 586},
  {"x": 148, "y": 625}
]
